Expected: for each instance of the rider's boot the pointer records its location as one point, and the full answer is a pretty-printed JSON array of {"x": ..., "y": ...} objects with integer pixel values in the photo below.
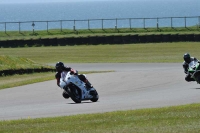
[
  {"x": 88, "y": 84},
  {"x": 65, "y": 95}
]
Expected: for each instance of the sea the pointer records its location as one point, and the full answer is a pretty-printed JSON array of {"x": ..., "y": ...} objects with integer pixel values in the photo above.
[{"x": 99, "y": 14}]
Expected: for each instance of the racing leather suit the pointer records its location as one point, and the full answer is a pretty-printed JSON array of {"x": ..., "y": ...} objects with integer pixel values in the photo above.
[{"x": 185, "y": 67}]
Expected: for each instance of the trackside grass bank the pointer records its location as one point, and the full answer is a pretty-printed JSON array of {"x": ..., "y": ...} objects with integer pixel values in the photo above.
[
  {"x": 126, "y": 53},
  {"x": 176, "y": 119}
]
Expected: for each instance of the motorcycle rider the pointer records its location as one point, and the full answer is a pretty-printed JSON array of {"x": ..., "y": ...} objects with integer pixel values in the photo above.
[
  {"x": 187, "y": 59},
  {"x": 60, "y": 68}
]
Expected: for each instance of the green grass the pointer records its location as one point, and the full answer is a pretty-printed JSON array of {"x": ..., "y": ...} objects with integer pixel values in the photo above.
[
  {"x": 175, "y": 119},
  {"x": 127, "y": 53},
  {"x": 11, "y": 35},
  {"x": 13, "y": 62},
  {"x": 19, "y": 80}
]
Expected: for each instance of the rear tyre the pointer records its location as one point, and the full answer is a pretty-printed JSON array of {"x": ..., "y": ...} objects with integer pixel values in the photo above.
[{"x": 198, "y": 79}]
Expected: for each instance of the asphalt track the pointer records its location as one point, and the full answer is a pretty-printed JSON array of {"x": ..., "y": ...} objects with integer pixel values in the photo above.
[{"x": 131, "y": 86}]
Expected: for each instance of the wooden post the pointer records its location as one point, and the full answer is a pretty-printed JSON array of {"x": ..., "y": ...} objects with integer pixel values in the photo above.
[
  {"x": 5, "y": 27},
  {"x": 130, "y": 22},
  {"x": 47, "y": 26},
  {"x": 88, "y": 24},
  {"x": 61, "y": 25},
  {"x": 144, "y": 22},
  {"x": 102, "y": 24}
]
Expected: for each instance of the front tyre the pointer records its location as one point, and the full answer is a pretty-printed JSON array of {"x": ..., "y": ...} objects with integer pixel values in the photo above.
[
  {"x": 65, "y": 94},
  {"x": 74, "y": 93},
  {"x": 95, "y": 96}
]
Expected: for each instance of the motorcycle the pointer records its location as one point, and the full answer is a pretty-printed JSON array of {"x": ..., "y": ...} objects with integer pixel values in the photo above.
[
  {"x": 194, "y": 70},
  {"x": 77, "y": 89}
]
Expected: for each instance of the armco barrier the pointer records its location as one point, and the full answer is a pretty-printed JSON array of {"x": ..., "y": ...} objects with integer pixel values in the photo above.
[
  {"x": 174, "y": 37},
  {"x": 197, "y": 37},
  {"x": 53, "y": 42},
  {"x": 150, "y": 38},
  {"x": 117, "y": 39},
  {"x": 101, "y": 40},
  {"x": 182, "y": 37},
  {"x": 134, "y": 39},
  {"x": 61, "y": 41},
  {"x": 84, "y": 40},
  {"x": 25, "y": 71},
  {"x": 126, "y": 39},
  {"x": 142, "y": 38},
  {"x": 3, "y": 43},
  {"x": 95, "y": 40},
  {"x": 45, "y": 42},
  {"x": 158, "y": 38},
  {"x": 190, "y": 37},
  {"x": 109, "y": 39},
  {"x": 166, "y": 38}
]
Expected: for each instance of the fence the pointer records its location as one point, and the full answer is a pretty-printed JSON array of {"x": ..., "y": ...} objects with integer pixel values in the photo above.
[{"x": 102, "y": 24}]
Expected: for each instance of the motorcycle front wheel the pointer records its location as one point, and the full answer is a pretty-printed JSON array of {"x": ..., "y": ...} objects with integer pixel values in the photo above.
[
  {"x": 95, "y": 96},
  {"x": 74, "y": 93}
]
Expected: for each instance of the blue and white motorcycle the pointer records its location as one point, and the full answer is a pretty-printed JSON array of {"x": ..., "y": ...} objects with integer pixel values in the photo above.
[{"x": 77, "y": 89}]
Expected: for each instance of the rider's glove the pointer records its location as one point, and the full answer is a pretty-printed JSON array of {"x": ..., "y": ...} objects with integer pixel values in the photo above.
[{"x": 72, "y": 71}]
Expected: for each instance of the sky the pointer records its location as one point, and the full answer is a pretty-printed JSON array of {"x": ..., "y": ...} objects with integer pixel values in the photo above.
[
  {"x": 42, "y": 1},
  {"x": 47, "y": 1}
]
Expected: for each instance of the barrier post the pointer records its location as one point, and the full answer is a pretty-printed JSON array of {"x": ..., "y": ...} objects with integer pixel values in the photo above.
[
  {"x": 171, "y": 22},
  {"x": 88, "y": 24},
  {"x": 157, "y": 24},
  {"x": 61, "y": 25},
  {"x": 185, "y": 22},
  {"x": 74, "y": 27},
  {"x": 33, "y": 25},
  {"x": 102, "y": 24},
  {"x": 19, "y": 28},
  {"x": 5, "y": 27},
  {"x": 116, "y": 24},
  {"x": 144, "y": 22},
  {"x": 130, "y": 22},
  {"x": 47, "y": 26}
]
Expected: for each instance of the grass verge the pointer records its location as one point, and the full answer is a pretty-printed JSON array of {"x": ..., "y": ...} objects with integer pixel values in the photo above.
[
  {"x": 8, "y": 62},
  {"x": 175, "y": 119},
  {"x": 53, "y": 33},
  {"x": 127, "y": 53}
]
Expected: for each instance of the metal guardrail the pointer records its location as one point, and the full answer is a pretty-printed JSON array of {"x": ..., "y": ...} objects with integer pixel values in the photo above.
[{"x": 116, "y": 23}]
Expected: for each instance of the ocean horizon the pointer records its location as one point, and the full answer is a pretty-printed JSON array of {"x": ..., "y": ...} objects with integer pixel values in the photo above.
[{"x": 94, "y": 10}]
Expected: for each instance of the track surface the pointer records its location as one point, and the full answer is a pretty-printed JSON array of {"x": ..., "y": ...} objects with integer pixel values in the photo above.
[{"x": 131, "y": 86}]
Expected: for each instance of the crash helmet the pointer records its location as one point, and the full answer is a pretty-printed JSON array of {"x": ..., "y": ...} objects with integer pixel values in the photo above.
[
  {"x": 186, "y": 57},
  {"x": 59, "y": 66}
]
